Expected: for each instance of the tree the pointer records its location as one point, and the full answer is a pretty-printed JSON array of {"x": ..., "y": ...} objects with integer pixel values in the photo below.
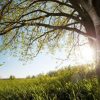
[
  {"x": 29, "y": 23},
  {"x": 28, "y": 77},
  {"x": 12, "y": 77}
]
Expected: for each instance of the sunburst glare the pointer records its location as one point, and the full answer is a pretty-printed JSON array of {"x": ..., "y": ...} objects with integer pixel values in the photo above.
[{"x": 87, "y": 54}]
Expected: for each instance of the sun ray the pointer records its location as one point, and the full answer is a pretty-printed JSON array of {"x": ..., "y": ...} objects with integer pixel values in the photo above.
[{"x": 87, "y": 54}]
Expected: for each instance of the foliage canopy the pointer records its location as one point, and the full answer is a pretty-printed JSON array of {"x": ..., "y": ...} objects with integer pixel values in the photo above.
[{"x": 30, "y": 25}]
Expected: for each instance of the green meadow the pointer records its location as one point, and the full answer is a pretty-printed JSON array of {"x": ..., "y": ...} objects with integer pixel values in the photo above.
[{"x": 72, "y": 83}]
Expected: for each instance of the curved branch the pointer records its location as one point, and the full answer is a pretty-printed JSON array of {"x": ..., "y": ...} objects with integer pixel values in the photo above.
[
  {"x": 48, "y": 14},
  {"x": 47, "y": 26},
  {"x": 56, "y": 1}
]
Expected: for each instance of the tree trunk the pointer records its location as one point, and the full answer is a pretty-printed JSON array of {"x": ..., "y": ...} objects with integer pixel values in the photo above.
[
  {"x": 97, "y": 29},
  {"x": 88, "y": 6},
  {"x": 96, "y": 21}
]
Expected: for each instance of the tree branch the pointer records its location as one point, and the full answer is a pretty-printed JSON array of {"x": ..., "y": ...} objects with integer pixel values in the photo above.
[
  {"x": 48, "y": 14},
  {"x": 56, "y": 1},
  {"x": 47, "y": 26}
]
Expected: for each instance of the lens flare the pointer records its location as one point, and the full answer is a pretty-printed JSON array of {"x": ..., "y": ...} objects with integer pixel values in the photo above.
[{"x": 87, "y": 54}]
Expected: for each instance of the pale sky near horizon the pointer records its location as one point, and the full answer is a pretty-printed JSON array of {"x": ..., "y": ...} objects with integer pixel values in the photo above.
[{"x": 43, "y": 63}]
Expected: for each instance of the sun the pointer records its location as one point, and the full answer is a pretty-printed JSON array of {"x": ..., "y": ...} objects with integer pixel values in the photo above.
[{"x": 87, "y": 54}]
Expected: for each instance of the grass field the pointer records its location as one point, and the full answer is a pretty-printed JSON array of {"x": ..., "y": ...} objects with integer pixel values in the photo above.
[{"x": 77, "y": 83}]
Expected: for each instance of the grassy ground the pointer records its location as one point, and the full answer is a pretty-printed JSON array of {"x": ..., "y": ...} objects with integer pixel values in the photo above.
[{"x": 77, "y": 83}]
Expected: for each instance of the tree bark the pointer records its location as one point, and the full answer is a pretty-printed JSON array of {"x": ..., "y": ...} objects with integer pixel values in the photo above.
[
  {"x": 96, "y": 21},
  {"x": 97, "y": 28}
]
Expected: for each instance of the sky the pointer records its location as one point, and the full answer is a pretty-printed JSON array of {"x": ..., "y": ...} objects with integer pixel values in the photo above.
[{"x": 42, "y": 64}]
